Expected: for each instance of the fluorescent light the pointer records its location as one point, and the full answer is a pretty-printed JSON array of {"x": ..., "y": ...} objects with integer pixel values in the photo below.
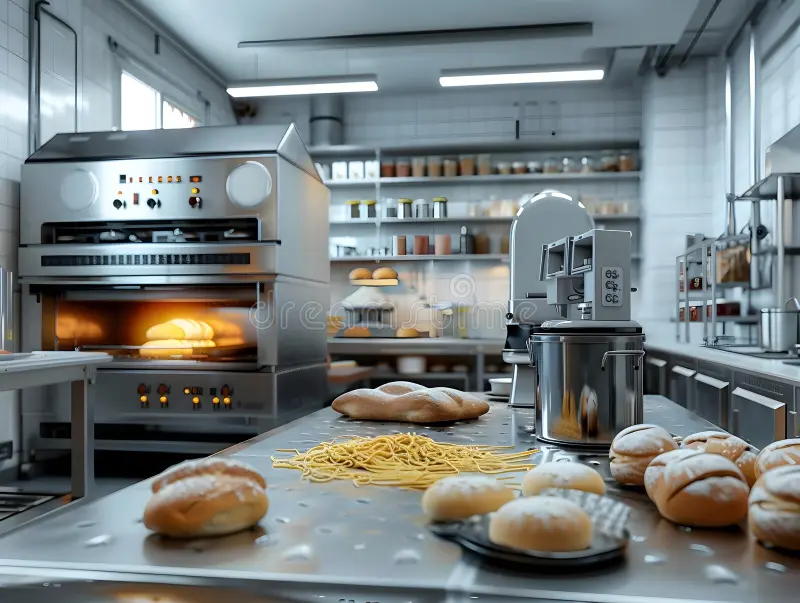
[
  {"x": 330, "y": 85},
  {"x": 527, "y": 77}
]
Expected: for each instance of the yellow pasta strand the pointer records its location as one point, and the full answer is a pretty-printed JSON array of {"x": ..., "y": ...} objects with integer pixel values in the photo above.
[{"x": 403, "y": 460}]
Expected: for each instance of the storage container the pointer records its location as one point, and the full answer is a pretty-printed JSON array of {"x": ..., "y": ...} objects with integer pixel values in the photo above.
[
  {"x": 440, "y": 207},
  {"x": 519, "y": 167},
  {"x": 467, "y": 165},
  {"x": 390, "y": 208},
  {"x": 535, "y": 167},
  {"x": 355, "y": 170},
  {"x": 372, "y": 208},
  {"x": 403, "y": 168},
  {"x": 552, "y": 166},
  {"x": 434, "y": 166},
  {"x": 339, "y": 170},
  {"x": 387, "y": 168},
  {"x": 484, "y": 164},
  {"x": 450, "y": 168},
  {"x": 609, "y": 161},
  {"x": 353, "y": 209},
  {"x": 504, "y": 168},
  {"x": 418, "y": 167},
  {"x": 423, "y": 208},
  {"x": 627, "y": 162},
  {"x": 404, "y": 208},
  {"x": 372, "y": 170}
]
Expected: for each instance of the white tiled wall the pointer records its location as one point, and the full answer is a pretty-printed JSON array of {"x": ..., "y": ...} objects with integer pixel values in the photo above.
[{"x": 94, "y": 20}]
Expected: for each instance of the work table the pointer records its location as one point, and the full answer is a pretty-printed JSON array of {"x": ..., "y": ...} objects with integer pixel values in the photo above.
[{"x": 336, "y": 541}]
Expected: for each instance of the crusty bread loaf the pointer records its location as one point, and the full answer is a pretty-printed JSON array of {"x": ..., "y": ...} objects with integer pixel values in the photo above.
[
  {"x": 206, "y": 505},
  {"x": 356, "y": 332},
  {"x": 703, "y": 490},
  {"x": 775, "y": 508},
  {"x": 384, "y": 272},
  {"x": 632, "y": 450},
  {"x": 407, "y": 332},
  {"x": 729, "y": 446},
  {"x": 396, "y": 388},
  {"x": 777, "y": 454},
  {"x": 541, "y": 523},
  {"x": 461, "y": 496},
  {"x": 207, "y": 466},
  {"x": 655, "y": 470},
  {"x": 173, "y": 347},
  {"x": 421, "y": 405},
  {"x": 224, "y": 328},
  {"x": 357, "y": 274},
  {"x": 180, "y": 328},
  {"x": 571, "y": 476}
]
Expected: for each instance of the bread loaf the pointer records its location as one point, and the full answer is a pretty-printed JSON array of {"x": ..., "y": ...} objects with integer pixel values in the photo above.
[
  {"x": 729, "y": 446},
  {"x": 208, "y": 466},
  {"x": 655, "y": 470},
  {"x": 180, "y": 328},
  {"x": 703, "y": 490},
  {"x": 461, "y": 496},
  {"x": 356, "y": 332},
  {"x": 541, "y": 523},
  {"x": 407, "y": 333},
  {"x": 775, "y": 508},
  {"x": 571, "y": 476},
  {"x": 206, "y": 505},
  {"x": 777, "y": 454},
  {"x": 420, "y": 405},
  {"x": 632, "y": 450},
  {"x": 358, "y": 274},
  {"x": 385, "y": 272}
]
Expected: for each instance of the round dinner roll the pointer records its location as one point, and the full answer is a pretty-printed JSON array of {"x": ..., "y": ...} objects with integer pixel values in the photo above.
[
  {"x": 571, "y": 476},
  {"x": 775, "y": 508},
  {"x": 461, "y": 496},
  {"x": 632, "y": 450},
  {"x": 542, "y": 523},
  {"x": 206, "y": 505},
  {"x": 654, "y": 471},
  {"x": 407, "y": 333},
  {"x": 384, "y": 272},
  {"x": 356, "y": 332},
  {"x": 208, "y": 466},
  {"x": 703, "y": 490},
  {"x": 736, "y": 449},
  {"x": 782, "y": 452},
  {"x": 358, "y": 274}
]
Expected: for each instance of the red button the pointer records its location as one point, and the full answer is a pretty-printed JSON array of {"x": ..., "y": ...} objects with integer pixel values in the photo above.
[{"x": 136, "y": 198}]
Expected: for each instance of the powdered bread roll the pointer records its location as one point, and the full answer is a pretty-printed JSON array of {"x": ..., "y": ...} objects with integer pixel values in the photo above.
[
  {"x": 358, "y": 274},
  {"x": 542, "y": 523},
  {"x": 655, "y": 470},
  {"x": 775, "y": 508},
  {"x": 207, "y": 466},
  {"x": 572, "y": 476},
  {"x": 206, "y": 505},
  {"x": 385, "y": 272},
  {"x": 462, "y": 496},
  {"x": 736, "y": 449},
  {"x": 396, "y": 388},
  {"x": 632, "y": 450},
  {"x": 777, "y": 454},
  {"x": 703, "y": 490},
  {"x": 414, "y": 406}
]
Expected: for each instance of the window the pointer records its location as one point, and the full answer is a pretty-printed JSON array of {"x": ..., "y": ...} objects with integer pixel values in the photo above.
[{"x": 142, "y": 107}]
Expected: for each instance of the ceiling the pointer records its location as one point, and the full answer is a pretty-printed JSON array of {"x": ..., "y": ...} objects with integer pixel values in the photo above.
[{"x": 213, "y": 29}]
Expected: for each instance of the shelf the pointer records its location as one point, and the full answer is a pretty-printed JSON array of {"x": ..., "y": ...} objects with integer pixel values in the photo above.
[
  {"x": 456, "y": 257},
  {"x": 767, "y": 188},
  {"x": 474, "y": 219},
  {"x": 543, "y": 144},
  {"x": 489, "y": 179}
]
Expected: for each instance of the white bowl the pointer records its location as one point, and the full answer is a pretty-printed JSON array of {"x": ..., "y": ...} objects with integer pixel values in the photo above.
[{"x": 501, "y": 386}]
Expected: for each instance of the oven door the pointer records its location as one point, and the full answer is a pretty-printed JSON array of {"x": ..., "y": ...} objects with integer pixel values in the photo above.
[{"x": 231, "y": 323}]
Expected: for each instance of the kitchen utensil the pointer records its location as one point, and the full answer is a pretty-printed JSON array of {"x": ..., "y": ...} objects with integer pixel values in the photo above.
[{"x": 779, "y": 328}]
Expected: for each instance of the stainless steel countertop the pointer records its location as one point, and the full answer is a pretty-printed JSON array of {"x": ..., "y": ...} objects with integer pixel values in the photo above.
[{"x": 371, "y": 544}]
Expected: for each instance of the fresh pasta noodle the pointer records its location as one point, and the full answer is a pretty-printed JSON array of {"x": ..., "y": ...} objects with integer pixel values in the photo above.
[{"x": 402, "y": 460}]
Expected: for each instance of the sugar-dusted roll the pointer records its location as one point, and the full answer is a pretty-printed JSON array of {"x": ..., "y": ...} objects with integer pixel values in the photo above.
[
  {"x": 571, "y": 476},
  {"x": 736, "y": 449},
  {"x": 207, "y": 466},
  {"x": 541, "y": 523},
  {"x": 777, "y": 454},
  {"x": 461, "y": 496},
  {"x": 655, "y": 470},
  {"x": 632, "y": 450},
  {"x": 775, "y": 508}
]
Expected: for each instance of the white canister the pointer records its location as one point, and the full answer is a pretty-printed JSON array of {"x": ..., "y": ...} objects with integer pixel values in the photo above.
[{"x": 411, "y": 365}]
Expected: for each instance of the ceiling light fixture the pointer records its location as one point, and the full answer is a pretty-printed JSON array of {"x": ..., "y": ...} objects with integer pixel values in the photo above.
[
  {"x": 321, "y": 85},
  {"x": 498, "y": 77}
]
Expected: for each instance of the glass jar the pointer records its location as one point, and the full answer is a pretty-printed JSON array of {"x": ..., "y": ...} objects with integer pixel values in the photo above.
[
  {"x": 609, "y": 161},
  {"x": 519, "y": 167},
  {"x": 423, "y": 208},
  {"x": 552, "y": 166},
  {"x": 467, "y": 165},
  {"x": 404, "y": 208},
  {"x": 387, "y": 168},
  {"x": 569, "y": 165},
  {"x": 353, "y": 209},
  {"x": 535, "y": 167},
  {"x": 484, "y": 164},
  {"x": 418, "y": 167},
  {"x": 450, "y": 168},
  {"x": 372, "y": 208},
  {"x": 504, "y": 168},
  {"x": 403, "y": 168},
  {"x": 434, "y": 166},
  {"x": 588, "y": 165},
  {"x": 627, "y": 162},
  {"x": 390, "y": 206},
  {"x": 440, "y": 207}
]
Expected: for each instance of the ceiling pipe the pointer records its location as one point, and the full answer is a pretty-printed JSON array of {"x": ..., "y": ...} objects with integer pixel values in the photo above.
[{"x": 687, "y": 55}]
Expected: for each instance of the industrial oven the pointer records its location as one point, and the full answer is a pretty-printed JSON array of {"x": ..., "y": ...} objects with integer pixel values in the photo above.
[{"x": 198, "y": 258}]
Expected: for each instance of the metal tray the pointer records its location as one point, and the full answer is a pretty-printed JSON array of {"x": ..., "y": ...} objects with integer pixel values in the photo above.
[{"x": 16, "y": 356}]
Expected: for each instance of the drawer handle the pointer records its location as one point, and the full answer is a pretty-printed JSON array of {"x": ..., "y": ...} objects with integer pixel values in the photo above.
[
  {"x": 637, "y": 353},
  {"x": 735, "y": 422}
]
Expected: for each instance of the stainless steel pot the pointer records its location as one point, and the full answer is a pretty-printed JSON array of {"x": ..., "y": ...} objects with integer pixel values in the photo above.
[
  {"x": 590, "y": 386},
  {"x": 779, "y": 328}
]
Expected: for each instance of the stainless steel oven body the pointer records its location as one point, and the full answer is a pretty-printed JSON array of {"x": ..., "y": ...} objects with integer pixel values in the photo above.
[{"x": 224, "y": 227}]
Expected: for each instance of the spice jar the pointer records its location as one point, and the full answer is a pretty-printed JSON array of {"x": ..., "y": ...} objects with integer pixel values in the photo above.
[
  {"x": 354, "y": 209},
  {"x": 423, "y": 208},
  {"x": 372, "y": 208},
  {"x": 609, "y": 161},
  {"x": 552, "y": 166},
  {"x": 391, "y": 208},
  {"x": 403, "y": 168},
  {"x": 535, "y": 167},
  {"x": 387, "y": 168},
  {"x": 484, "y": 164},
  {"x": 569, "y": 165},
  {"x": 440, "y": 207},
  {"x": 450, "y": 168},
  {"x": 418, "y": 167},
  {"x": 399, "y": 245},
  {"x": 434, "y": 166},
  {"x": 588, "y": 165},
  {"x": 504, "y": 168},
  {"x": 467, "y": 165},
  {"x": 627, "y": 162},
  {"x": 421, "y": 244},
  {"x": 519, "y": 167},
  {"x": 404, "y": 209}
]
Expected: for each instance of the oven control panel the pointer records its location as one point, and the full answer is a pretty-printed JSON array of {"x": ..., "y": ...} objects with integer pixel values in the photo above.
[
  {"x": 146, "y": 191},
  {"x": 189, "y": 396}
]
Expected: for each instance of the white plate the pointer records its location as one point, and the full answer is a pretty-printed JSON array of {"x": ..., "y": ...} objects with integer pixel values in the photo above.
[{"x": 501, "y": 386}]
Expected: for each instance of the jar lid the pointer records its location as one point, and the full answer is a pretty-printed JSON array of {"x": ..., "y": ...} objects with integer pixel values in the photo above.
[
  {"x": 352, "y": 202},
  {"x": 370, "y": 202},
  {"x": 405, "y": 201},
  {"x": 440, "y": 199}
]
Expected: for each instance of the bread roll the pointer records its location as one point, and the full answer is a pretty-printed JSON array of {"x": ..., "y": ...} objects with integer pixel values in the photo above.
[
  {"x": 180, "y": 328},
  {"x": 541, "y": 523},
  {"x": 384, "y": 272},
  {"x": 410, "y": 332},
  {"x": 777, "y": 454},
  {"x": 775, "y": 508},
  {"x": 206, "y": 505},
  {"x": 224, "y": 328},
  {"x": 632, "y": 450},
  {"x": 165, "y": 348},
  {"x": 736, "y": 449},
  {"x": 207, "y": 466},
  {"x": 358, "y": 274},
  {"x": 572, "y": 476},
  {"x": 655, "y": 470},
  {"x": 462, "y": 496},
  {"x": 356, "y": 332},
  {"x": 703, "y": 490},
  {"x": 421, "y": 405}
]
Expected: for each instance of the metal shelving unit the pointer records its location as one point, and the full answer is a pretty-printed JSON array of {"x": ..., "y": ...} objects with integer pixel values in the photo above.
[
  {"x": 454, "y": 257},
  {"x": 488, "y": 179},
  {"x": 472, "y": 219}
]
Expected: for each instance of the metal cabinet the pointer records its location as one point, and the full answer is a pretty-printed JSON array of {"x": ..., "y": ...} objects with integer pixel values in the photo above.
[
  {"x": 655, "y": 375},
  {"x": 710, "y": 399},
  {"x": 759, "y": 409},
  {"x": 681, "y": 384}
]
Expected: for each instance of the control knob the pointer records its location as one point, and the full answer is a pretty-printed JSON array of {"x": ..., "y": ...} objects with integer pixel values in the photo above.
[
  {"x": 195, "y": 202},
  {"x": 117, "y": 203},
  {"x": 151, "y": 203}
]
